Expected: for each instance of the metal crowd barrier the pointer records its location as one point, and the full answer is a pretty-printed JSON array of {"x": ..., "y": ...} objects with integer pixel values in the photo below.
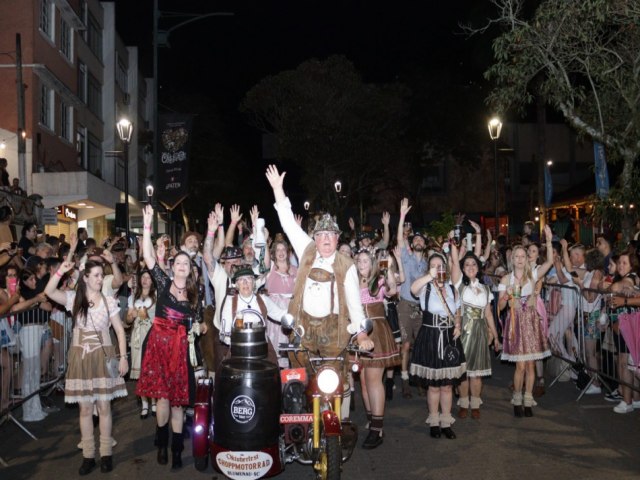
[
  {"x": 33, "y": 359},
  {"x": 584, "y": 333}
]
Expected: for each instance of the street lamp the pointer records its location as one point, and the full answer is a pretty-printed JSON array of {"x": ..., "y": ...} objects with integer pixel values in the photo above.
[
  {"x": 495, "y": 127},
  {"x": 125, "y": 130},
  {"x": 149, "y": 189},
  {"x": 306, "y": 206},
  {"x": 338, "y": 186}
]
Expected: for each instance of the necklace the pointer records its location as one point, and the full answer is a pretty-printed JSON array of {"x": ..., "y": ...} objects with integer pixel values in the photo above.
[
  {"x": 248, "y": 302},
  {"x": 180, "y": 290}
]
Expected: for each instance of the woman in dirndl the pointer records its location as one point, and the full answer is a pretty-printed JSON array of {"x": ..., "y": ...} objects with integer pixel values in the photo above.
[
  {"x": 87, "y": 380},
  {"x": 438, "y": 358},
  {"x": 478, "y": 329},
  {"x": 167, "y": 364},
  {"x": 524, "y": 340},
  {"x": 375, "y": 284}
]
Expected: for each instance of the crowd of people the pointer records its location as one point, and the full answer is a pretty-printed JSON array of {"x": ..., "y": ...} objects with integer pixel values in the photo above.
[{"x": 440, "y": 307}]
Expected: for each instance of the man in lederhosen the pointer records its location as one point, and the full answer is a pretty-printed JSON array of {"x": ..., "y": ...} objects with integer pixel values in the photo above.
[{"x": 326, "y": 296}]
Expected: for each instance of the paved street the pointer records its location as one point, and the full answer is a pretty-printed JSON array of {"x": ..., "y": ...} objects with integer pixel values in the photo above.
[{"x": 565, "y": 439}]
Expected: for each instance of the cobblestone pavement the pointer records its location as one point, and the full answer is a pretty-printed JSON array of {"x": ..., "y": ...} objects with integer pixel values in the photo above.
[{"x": 565, "y": 439}]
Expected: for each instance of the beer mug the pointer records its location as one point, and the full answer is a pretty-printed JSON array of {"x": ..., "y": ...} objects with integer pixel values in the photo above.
[
  {"x": 441, "y": 274},
  {"x": 383, "y": 261}
]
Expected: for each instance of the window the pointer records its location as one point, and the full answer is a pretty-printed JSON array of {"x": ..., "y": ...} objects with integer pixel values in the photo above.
[
  {"x": 94, "y": 36},
  {"x": 66, "y": 38},
  {"x": 95, "y": 155},
  {"x": 46, "y": 18},
  {"x": 81, "y": 146},
  {"x": 46, "y": 107},
  {"x": 82, "y": 82},
  {"x": 121, "y": 76},
  {"x": 94, "y": 95},
  {"x": 66, "y": 121}
]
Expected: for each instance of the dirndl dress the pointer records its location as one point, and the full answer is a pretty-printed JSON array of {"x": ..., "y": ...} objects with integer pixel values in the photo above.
[
  {"x": 430, "y": 365},
  {"x": 385, "y": 353},
  {"x": 87, "y": 379},
  {"x": 475, "y": 342},
  {"x": 523, "y": 339}
]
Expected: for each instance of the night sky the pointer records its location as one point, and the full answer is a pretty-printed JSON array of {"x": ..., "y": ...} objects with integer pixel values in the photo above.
[{"x": 221, "y": 58}]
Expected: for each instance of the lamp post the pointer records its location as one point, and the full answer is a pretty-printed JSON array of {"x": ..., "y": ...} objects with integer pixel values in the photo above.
[
  {"x": 149, "y": 189},
  {"x": 125, "y": 130},
  {"x": 495, "y": 127}
]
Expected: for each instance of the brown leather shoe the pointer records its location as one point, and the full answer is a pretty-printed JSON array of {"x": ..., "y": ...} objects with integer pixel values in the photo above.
[
  {"x": 475, "y": 413},
  {"x": 463, "y": 412}
]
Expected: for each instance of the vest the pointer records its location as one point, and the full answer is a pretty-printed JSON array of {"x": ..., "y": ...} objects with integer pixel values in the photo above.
[{"x": 340, "y": 266}]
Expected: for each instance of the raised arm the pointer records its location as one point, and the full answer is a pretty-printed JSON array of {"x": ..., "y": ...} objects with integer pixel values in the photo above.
[
  {"x": 147, "y": 245},
  {"x": 207, "y": 250},
  {"x": 276, "y": 180},
  {"x": 397, "y": 252},
  {"x": 51, "y": 290},
  {"x": 566, "y": 260},
  {"x": 546, "y": 266},
  {"x": 404, "y": 209},
  {"x": 386, "y": 218},
  {"x": 456, "y": 273},
  {"x": 487, "y": 248},
  {"x": 236, "y": 216},
  {"x": 118, "y": 278}
]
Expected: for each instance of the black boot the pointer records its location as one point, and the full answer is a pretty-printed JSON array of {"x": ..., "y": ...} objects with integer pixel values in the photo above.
[
  {"x": 106, "y": 464},
  {"x": 88, "y": 464},
  {"x": 177, "y": 446},
  {"x": 388, "y": 389},
  {"x": 162, "y": 441}
]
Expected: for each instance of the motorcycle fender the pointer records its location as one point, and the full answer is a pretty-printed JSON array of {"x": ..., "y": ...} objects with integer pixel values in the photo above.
[
  {"x": 331, "y": 423},
  {"x": 202, "y": 419}
]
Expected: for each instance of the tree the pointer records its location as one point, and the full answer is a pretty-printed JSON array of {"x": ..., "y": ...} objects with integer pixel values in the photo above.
[
  {"x": 583, "y": 58},
  {"x": 333, "y": 125}
]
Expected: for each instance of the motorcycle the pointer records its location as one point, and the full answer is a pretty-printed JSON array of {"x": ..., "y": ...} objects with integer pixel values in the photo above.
[
  {"x": 254, "y": 419},
  {"x": 314, "y": 432}
]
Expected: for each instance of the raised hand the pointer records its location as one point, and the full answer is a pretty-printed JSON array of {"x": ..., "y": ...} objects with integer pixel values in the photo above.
[
  {"x": 219, "y": 213},
  {"x": 147, "y": 215},
  {"x": 212, "y": 221},
  {"x": 276, "y": 180},
  {"x": 404, "y": 207},
  {"x": 65, "y": 267},
  {"x": 475, "y": 226},
  {"x": 352, "y": 224},
  {"x": 107, "y": 255},
  {"x": 548, "y": 234},
  {"x": 236, "y": 216},
  {"x": 255, "y": 213},
  {"x": 386, "y": 218},
  {"x": 298, "y": 219}
]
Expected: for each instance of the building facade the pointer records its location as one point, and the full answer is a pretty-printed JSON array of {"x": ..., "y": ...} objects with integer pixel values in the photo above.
[{"x": 79, "y": 79}]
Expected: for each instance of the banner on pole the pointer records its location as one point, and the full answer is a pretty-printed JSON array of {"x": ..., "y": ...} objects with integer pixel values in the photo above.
[
  {"x": 173, "y": 161},
  {"x": 602, "y": 173},
  {"x": 548, "y": 186}
]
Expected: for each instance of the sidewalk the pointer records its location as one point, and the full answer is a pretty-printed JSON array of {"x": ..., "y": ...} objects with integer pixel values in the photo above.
[{"x": 564, "y": 439}]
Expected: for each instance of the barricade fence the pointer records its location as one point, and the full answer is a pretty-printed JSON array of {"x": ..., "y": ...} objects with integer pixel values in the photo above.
[
  {"x": 33, "y": 359},
  {"x": 596, "y": 339}
]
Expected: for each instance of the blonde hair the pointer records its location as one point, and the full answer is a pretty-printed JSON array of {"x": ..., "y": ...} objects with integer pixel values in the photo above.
[{"x": 527, "y": 268}]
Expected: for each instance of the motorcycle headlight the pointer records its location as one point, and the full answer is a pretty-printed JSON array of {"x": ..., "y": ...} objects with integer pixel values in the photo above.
[{"x": 328, "y": 380}]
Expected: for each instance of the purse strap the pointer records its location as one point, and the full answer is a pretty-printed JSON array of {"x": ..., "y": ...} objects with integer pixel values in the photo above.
[{"x": 444, "y": 302}]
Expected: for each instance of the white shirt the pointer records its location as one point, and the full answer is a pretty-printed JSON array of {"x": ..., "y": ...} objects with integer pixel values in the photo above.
[
  {"x": 475, "y": 294},
  {"x": 317, "y": 295},
  {"x": 249, "y": 306},
  {"x": 434, "y": 304},
  {"x": 219, "y": 281}
]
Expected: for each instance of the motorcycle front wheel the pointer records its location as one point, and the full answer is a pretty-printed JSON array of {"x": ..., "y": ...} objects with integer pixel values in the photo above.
[{"x": 330, "y": 460}]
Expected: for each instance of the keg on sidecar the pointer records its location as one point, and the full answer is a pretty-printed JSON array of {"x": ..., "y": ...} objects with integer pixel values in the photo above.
[{"x": 243, "y": 434}]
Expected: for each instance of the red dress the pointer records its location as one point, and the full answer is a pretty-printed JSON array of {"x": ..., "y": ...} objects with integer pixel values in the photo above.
[{"x": 165, "y": 371}]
